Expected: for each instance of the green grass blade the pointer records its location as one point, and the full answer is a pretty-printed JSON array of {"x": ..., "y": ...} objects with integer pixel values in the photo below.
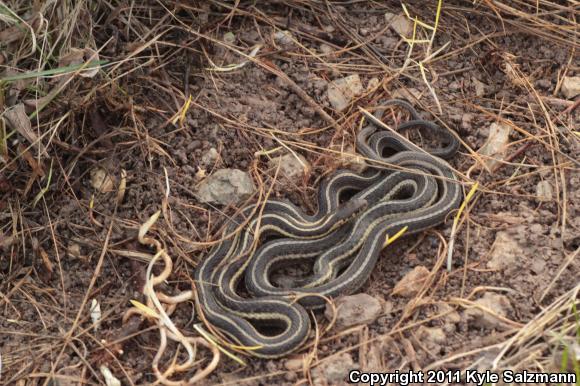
[{"x": 54, "y": 71}]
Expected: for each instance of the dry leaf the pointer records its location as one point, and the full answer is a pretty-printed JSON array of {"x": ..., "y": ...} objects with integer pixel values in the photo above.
[
  {"x": 19, "y": 121},
  {"x": 19, "y": 31},
  {"x": 78, "y": 56}
]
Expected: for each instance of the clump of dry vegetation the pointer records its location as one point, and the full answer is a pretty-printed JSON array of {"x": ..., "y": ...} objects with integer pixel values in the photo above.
[{"x": 106, "y": 108}]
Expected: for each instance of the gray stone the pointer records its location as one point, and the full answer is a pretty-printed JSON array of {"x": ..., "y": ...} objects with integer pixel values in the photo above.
[
  {"x": 479, "y": 87},
  {"x": 495, "y": 146},
  {"x": 411, "y": 283},
  {"x": 544, "y": 191},
  {"x": 333, "y": 371},
  {"x": 505, "y": 252},
  {"x": 571, "y": 86},
  {"x": 210, "y": 157},
  {"x": 373, "y": 83},
  {"x": 410, "y": 94},
  {"x": 355, "y": 309},
  {"x": 431, "y": 337},
  {"x": 326, "y": 49},
  {"x": 292, "y": 166},
  {"x": 341, "y": 91},
  {"x": 400, "y": 24},
  {"x": 294, "y": 364},
  {"x": 482, "y": 318},
  {"x": 225, "y": 186},
  {"x": 283, "y": 37}
]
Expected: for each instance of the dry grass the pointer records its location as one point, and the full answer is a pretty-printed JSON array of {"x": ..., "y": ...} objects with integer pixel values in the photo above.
[{"x": 100, "y": 84}]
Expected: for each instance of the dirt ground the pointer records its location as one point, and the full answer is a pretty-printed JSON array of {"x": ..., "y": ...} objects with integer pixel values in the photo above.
[{"x": 64, "y": 243}]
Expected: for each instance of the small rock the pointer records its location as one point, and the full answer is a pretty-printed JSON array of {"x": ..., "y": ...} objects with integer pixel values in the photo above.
[
  {"x": 543, "y": 83},
  {"x": 479, "y": 87},
  {"x": 449, "y": 313},
  {"x": 496, "y": 144},
  {"x": 537, "y": 229},
  {"x": 333, "y": 371},
  {"x": 410, "y": 94},
  {"x": 538, "y": 265},
  {"x": 294, "y": 364},
  {"x": 571, "y": 86},
  {"x": 388, "y": 307},
  {"x": 456, "y": 85},
  {"x": 466, "y": 121},
  {"x": 388, "y": 42},
  {"x": 101, "y": 180},
  {"x": 431, "y": 337},
  {"x": 374, "y": 358},
  {"x": 210, "y": 157},
  {"x": 355, "y": 309},
  {"x": 499, "y": 304},
  {"x": 283, "y": 37},
  {"x": 341, "y": 91},
  {"x": 225, "y": 186},
  {"x": 373, "y": 83},
  {"x": 505, "y": 252},
  {"x": 544, "y": 191},
  {"x": 411, "y": 283},
  {"x": 400, "y": 24},
  {"x": 326, "y": 49},
  {"x": 74, "y": 251},
  {"x": 292, "y": 166}
]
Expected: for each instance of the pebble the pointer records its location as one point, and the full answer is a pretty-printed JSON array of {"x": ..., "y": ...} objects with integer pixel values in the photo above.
[
  {"x": 466, "y": 121},
  {"x": 101, "y": 180},
  {"x": 195, "y": 144},
  {"x": 355, "y": 309},
  {"x": 73, "y": 251},
  {"x": 495, "y": 146},
  {"x": 449, "y": 313},
  {"x": 410, "y": 94},
  {"x": 544, "y": 191},
  {"x": 326, "y": 49},
  {"x": 373, "y": 83},
  {"x": 294, "y": 364},
  {"x": 340, "y": 92},
  {"x": 411, "y": 283},
  {"x": 431, "y": 337},
  {"x": 292, "y": 166},
  {"x": 400, "y": 24},
  {"x": 283, "y": 37},
  {"x": 450, "y": 317},
  {"x": 499, "y": 304},
  {"x": 543, "y": 83},
  {"x": 225, "y": 186},
  {"x": 210, "y": 157},
  {"x": 479, "y": 87},
  {"x": 505, "y": 252},
  {"x": 333, "y": 371},
  {"x": 571, "y": 86}
]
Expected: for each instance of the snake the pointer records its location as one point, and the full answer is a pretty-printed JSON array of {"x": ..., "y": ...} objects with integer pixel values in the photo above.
[{"x": 406, "y": 187}]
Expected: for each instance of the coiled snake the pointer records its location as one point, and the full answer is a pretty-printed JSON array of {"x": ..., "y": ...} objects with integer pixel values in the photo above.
[{"x": 343, "y": 240}]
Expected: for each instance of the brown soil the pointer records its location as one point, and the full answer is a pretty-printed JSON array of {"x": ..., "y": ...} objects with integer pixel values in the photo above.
[{"x": 122, "y": 119}]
